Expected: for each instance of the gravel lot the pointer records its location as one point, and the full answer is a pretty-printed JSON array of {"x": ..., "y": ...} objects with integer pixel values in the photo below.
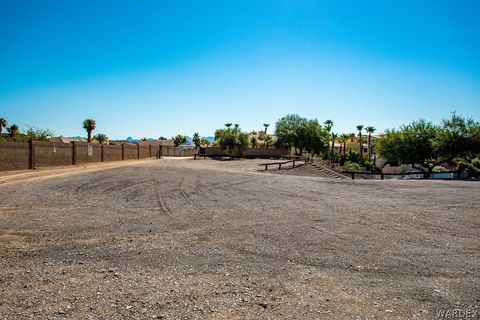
[{"x": 184, "y": 239}]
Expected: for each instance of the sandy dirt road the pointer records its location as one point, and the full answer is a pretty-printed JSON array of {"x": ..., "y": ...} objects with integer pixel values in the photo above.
[{"x": 184, "y": 239}]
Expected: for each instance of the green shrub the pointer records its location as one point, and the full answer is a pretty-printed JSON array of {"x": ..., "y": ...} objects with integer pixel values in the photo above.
[
  {"x": 472, "y": 169},
  {"x": 352, "y": 166},
  {"x": 476, "y": 163}
]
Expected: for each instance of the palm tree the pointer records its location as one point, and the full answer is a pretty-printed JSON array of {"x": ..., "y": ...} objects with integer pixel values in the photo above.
[
  {"x": 228, "y": 125},
  {"x": 268, "y": 140},
  {"x": 334, "y": 136},
  {"x": 101, "y": 138},
  {"x": 196, "y": 139},
  {"x": 89, "y": 125},
  {"x": 253, "y": 142},
  {"x": 343, "y": 140},
  {"x": 3, "y": 124},
  {"x": 351, "y": 136},
  {"x": 370, "y": 130},
  {"x": 266, "y": 125},
  {"x": 360, "y": 128},
  {"x": 328, "y": 125}
]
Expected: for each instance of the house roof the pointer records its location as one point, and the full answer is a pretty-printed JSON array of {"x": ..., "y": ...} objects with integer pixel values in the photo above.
[
  {"x": 156, "y": 143},
  {"x": 64, "y": 139}
]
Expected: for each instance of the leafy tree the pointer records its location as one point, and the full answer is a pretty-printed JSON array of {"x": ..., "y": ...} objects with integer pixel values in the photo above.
[
  {"x": 179, "y": 139},
  {"x": 89, "y": 125},
  {"x": 102, "y": 138},
  {"x": 3, "y": 124},
  {"x": 301, "y": 133},
  {"x": 162, "y": 138},
  {"x": 13, "y": 131},
  {"x": 370, "y": 130},
  {"x": 196, "y": 139},
  {"x": 205, "y": 142},
  {"x": 457, "y": 137},
  {"x": 287, "y": 130},
  {"x": 412, "y": 144},
  {"x": 38, "y": 134},
  {"x": 143, "y": 139},
  {"x": 253, "y": 142}
]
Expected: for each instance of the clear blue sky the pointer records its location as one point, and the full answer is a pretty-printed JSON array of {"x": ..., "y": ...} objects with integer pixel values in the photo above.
[{"x": 151, "y": 68}]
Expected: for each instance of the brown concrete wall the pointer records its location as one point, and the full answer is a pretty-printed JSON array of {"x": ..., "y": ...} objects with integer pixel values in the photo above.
[
  {"x": 130, "y": 152},
  {"x": 14, "y": 156},
  {"x": 48, "y": 154},
  {"x": 18, "y": 155},
  {"x": 82, "y": 153},
  {"x": 264, "y": 152},
  {"x": 218, "y": 151},
  {"x": 145, "y": 152},
  {"x": 112, "y": 153}
]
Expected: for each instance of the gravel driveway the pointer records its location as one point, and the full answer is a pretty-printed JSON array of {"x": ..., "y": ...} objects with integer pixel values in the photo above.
[{"x": 184, "y": 239}]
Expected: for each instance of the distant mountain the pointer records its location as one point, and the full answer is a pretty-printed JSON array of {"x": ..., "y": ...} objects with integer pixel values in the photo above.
[
  {"x": 211, "y": 139},
  {"x": 131, "y": 140}
]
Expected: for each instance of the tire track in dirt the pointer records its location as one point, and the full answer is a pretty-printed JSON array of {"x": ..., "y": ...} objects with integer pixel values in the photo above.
[
  {"x": 164, "y": 208},
  {"x": 216, "y": 186},
  {"x": 184, "y": 195}
]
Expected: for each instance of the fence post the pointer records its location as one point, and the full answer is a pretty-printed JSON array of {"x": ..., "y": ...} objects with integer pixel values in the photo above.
[
  {"x": 150, "y": 147},
  {"x": 31, "y": 154},
  {"x": 74, "y": 152},
  {"x": 123, "y": 151},
  {"x": 353, "y": 176},
  {"x": 138, "y": 151},
  {"x": 101, "y": 152},
  {"x": 381, "y": 175}
]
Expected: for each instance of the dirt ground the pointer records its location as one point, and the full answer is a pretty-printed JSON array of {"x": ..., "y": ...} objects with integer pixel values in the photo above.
[{"x": 205, "y": 239}]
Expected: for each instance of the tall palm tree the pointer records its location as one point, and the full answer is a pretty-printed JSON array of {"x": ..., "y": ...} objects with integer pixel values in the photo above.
[
  {"x": 328, "y": 125},
  {"x": 334, "y": 136},
  {"x": 101, "y": 138},
  {"x": 360, "y": 128},
  {"x": 228, "y": 125},
  {"x": 266, "y": 125},
  {"x": 196, "y": 139},
  {"x": 343, "y": 140},
  {"x": 370, "y": 130},
  {"x": 3, "y": 124},
  {"x": 351, "y": 136},
  {"x": 89, "y": 125}
]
